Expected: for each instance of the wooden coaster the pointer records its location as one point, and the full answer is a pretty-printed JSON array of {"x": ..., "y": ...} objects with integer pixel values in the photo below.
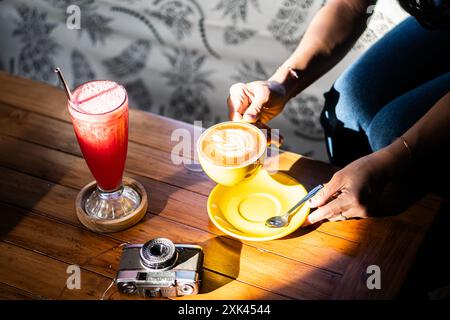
[{"x": 116, "y": 224}]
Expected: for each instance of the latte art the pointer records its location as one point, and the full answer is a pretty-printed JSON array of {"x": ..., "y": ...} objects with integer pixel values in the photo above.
[{"x": 232, "y": 144}]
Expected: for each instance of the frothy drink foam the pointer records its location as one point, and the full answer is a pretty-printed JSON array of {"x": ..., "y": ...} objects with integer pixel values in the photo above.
[
  {"x": 232, "y": 144},
  {"x": 99, "y": 97}
]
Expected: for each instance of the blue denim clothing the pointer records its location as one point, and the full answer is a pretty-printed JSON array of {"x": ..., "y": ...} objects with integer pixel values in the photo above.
[{"x": 384, "y": 92}]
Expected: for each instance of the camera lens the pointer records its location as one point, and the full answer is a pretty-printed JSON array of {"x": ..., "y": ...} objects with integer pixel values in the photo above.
[
  {"x": 159, "y": 254},
  {"x": 187, "y": 289}
]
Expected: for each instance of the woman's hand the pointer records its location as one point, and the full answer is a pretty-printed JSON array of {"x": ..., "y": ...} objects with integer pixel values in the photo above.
[
  {"x": 257, "y": 101},
  {"x": 353, "y": 191}
]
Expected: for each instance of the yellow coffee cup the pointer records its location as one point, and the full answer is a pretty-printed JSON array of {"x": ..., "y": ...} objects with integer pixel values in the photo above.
[{"x": 230, "y": 152}]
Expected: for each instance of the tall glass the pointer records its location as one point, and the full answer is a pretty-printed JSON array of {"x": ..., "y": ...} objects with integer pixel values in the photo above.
[{"x": 99, "y": 113}]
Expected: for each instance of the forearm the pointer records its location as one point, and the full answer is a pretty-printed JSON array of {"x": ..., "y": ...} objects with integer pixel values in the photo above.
[
  {"x": 330, "y": 35},
  {"x": 426, "y": 140}
]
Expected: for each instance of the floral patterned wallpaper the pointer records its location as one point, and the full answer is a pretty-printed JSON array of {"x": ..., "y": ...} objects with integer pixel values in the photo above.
[{"x": 177, "y": 58}]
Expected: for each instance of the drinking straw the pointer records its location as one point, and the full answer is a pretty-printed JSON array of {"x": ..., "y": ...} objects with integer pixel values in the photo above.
[{"x": 66, "y": 87}]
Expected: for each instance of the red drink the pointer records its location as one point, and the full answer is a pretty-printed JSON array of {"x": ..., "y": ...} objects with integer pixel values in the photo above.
[
  {"x": 99, "y": 112},
  {"x": 100, "y": 118}
]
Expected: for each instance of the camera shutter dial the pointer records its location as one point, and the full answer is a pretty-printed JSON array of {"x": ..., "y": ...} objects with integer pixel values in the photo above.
[
  {"x": 127, "y": 287},
  {"x": 159, "y": 254}
]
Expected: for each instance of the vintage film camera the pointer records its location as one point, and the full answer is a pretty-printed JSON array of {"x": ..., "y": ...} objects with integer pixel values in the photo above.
[{"x": 160, "y": 268}]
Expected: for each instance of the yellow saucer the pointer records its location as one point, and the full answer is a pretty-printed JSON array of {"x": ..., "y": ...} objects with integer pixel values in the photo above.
[{"x": 241, "y": 211}]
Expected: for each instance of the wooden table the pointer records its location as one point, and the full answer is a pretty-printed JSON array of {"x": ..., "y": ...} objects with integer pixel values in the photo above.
[{"x": 42, "y": 170}]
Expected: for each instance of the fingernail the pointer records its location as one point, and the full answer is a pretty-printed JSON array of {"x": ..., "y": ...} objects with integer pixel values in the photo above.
[{"x": 309, "y": 221}]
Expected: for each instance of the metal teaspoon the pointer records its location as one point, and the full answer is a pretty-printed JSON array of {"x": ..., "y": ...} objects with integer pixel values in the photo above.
[{"x": 281, "y": 221}]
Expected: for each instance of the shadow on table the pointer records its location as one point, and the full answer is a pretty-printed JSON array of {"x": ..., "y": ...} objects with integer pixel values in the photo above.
[
  {"x": 309, "y": 172},
  {"x": 20, "y": 190},
  {"x": 302, "y": 231},
  {"x": 221, "y": 266},
  {"x": 398, "y": 197},
  {"x": 11, "y": 216},
  {"x": 429, "y": 277}
]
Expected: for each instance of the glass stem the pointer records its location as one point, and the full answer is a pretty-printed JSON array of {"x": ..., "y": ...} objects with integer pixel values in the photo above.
[{"x": 110, "y": 195}]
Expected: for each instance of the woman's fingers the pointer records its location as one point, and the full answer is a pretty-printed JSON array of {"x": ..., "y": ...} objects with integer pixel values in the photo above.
[
  {"x": 260, "y": 97},
  {"x": 324, "y": 194},
  {"x": 330, "y": 211},
  {"x": 233, "y": 115},
  {"x": 238, "y": 101},
  {"x": 253, "y": 101}
]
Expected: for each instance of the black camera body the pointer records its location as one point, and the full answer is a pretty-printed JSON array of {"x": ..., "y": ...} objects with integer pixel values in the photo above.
[{"x": 160, "y": 268}]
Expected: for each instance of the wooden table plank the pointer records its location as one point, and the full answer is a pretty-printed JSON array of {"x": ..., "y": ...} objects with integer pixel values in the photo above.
[
  {"x": 223, "y": 255},
  {"x": 33, "y": 272},
  {"x": 92, "y": 252},
  {"x": 53, "y": 287},
  {"x": 175, "y": 203},
  {"x": 12, "y": 293},
  {"x": 393, "y": 262}
]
